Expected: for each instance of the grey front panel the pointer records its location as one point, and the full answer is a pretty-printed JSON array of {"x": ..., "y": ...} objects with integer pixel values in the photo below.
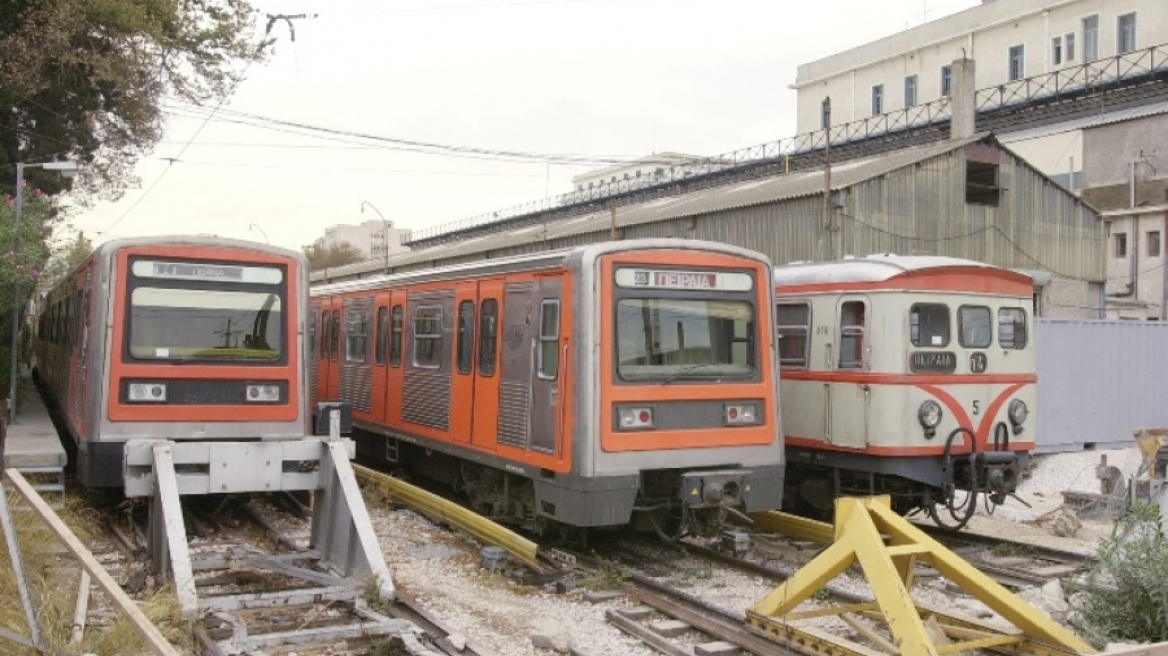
[
  {"x": 515, "y": 371},
  {"x": 579, "y": 501}
]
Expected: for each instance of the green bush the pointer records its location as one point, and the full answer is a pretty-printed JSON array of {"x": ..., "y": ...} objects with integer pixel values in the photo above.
[{"x": 1125, "y": 597}]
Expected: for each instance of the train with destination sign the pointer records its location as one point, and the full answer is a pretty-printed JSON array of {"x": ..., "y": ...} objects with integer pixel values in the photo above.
[
  {"x": 620, "y": 383},
  {"x": 912, "y": 376},
  {"x": 180, "y": 338}
]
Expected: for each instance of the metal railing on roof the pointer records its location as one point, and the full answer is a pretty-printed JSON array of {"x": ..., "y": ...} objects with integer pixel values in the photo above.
[{"x": 1070, "y": 80}]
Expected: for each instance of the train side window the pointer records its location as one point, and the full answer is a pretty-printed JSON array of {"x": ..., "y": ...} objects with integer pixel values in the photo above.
[
  {"x": 975, "y": 328},
  {"x": 382, "y": 335},
  {"x": 335, "y": 335},
  {"x": 852, "y": 322},
  {"x": 488, "y": 333},
  {"x": 356, "y": 335},
  {"x": 428, "y": 337},
  {"x": 1012, "y": 328},
  {"x": 929, "y": 324},
  {"x": 549, "y": 340},
  {"x": 311, "y": 335},
  {"x": 324, "y": 334},
  {"x": 395, "y": 339},
  {"x": 794, "y": 321},
  {"x": 465, "y": 349}
]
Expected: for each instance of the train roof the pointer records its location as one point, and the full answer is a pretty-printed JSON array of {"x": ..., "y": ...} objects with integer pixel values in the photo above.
[
  {"x": 901, "y": 272},
  {"x": 540, "y": 260},
  {"x": 115, "y": 245}
]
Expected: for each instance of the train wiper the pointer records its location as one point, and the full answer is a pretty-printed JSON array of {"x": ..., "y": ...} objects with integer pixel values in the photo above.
[{"x": 681, "y": 372}]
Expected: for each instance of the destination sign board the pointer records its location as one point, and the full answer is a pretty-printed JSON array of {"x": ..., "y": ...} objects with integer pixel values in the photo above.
[
  {"x": 207, "y": 271},
  {"x": 730, "y": 281},
  {"x": 932, "y": 362}
]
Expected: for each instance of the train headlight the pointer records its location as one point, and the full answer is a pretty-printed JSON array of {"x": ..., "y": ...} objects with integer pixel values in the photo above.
[
  {"x": 260, "y": 393},
  {"x": 1018, "y": 413},
  {"x": 930, "y": 415},
  {"x": 742, "y": 414},
  {"x": 147, "y": 392},
  {"x": 635, "y": 418}
]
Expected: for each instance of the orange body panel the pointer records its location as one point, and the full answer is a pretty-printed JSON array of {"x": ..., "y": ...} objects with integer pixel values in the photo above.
[
  {"x": 978, "y": 280},
  {"x": 764, "y": 433}
]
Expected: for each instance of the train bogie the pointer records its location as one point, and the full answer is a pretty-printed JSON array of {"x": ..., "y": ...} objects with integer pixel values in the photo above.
[{"x": 576, "y": 388}]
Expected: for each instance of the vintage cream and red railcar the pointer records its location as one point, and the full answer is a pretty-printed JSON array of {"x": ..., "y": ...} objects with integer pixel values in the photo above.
[
  {"x": 178, "y": 338},
  {"x": 907, "y": 375},
  {"x": 585, "y": 387}
]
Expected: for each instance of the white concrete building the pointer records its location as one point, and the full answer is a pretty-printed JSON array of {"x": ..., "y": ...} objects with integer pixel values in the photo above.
[
  {"x": 650, "y": 166},
  {"x": 1009, "y": 39},
  {"x": 374, "y": 238}
]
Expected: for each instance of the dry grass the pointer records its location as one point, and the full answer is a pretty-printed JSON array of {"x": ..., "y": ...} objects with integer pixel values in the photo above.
[{"x": 53, "y": 575}]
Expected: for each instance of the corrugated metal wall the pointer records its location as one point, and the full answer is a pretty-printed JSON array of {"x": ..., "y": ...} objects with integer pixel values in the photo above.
[{"x": 1099, "y": 380}]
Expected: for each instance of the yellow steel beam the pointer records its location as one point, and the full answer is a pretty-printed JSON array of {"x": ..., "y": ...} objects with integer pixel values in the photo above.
[
  {"x": 794, "y": 526},
  {"x": 1033, "y": 622},
  {"x": 861, "y": 529},
  {"x": 521, "y": 549}
]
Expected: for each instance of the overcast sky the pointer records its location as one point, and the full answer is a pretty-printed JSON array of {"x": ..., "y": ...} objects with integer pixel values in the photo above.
[{"x": 605, "y": 79}]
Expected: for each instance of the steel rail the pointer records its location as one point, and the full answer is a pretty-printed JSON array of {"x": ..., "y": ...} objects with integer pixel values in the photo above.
[{"x": 521, "y": 549}]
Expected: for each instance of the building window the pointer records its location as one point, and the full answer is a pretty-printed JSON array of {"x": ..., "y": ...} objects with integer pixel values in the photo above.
[
  {"x": 1017, "y": 62},
  {"x": 946, "y": 80},
  {"x": 981, "y": 183},
  {"x": 1090, "y": 39},
  {"x": 1121, "y": 244},
  {"x": 878, "y": 100},
  {"x": 910, "y": 91},
  {"x": 1069, "y": 40},
  {"x": 1056, "y": 51},
  {"x": 1154, "y": 243},
  {"x": 794, "y": 329},
  {"x": 1126, "y": 37},
  {"x": 428, "y": 337}
]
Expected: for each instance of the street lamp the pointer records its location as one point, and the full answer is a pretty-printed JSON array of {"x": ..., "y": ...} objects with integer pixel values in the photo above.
[
  {"x": 252, "y": 225},
  {"x": 67, "y": 169},
  {"x": 385, "y": 234}
]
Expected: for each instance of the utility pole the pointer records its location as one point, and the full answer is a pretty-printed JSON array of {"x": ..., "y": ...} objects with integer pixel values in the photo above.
[{"x": 828, "y": 223}]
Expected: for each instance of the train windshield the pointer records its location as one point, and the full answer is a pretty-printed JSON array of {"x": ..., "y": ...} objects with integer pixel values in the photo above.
[
  {"x": 668, "y": 339},
  {"x": 195, "y": 313}
]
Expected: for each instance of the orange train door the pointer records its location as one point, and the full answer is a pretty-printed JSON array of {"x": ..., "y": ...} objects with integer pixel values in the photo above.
[
  {"x": 462, "y": 389},
  {"x": 395, "y": 377},
  {"x": 380, "y": 332},
  {"x": 486, "y": 378},
  {"x": 327, "y": 353}
]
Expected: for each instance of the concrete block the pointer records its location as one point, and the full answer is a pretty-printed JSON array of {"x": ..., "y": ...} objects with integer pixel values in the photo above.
[
  {"x": 668, "y": 628},
  {"x": 636, "y": 613},
  {"x": 716, "y": 649},
  {"x": 602, "y": 596}
]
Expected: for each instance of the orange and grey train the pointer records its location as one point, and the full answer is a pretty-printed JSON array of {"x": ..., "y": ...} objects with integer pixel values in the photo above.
[
  {"x": 598, "y": 386},
  {"x": 178, "y": 338},
  {"x": 911, "y": 376}
]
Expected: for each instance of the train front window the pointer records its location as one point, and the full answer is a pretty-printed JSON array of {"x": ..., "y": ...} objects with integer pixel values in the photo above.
[
  {"x": 1012, "y": 328},
  {"x": 929, "y": 324},
  {"x": 976, "y": 330},
  {"x": 666, "y": 338},
  {"x": 205, "y": 311},
  {"x": 168, "y": 323}
]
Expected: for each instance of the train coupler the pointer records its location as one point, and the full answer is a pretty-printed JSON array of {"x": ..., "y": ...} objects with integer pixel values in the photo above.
[{"x": 712, "y": 489}]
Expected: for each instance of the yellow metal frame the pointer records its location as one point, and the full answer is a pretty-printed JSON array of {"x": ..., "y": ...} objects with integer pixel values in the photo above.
[
  {"x": 859, "y": 536},
  {"x": 521, "y": 549}
]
